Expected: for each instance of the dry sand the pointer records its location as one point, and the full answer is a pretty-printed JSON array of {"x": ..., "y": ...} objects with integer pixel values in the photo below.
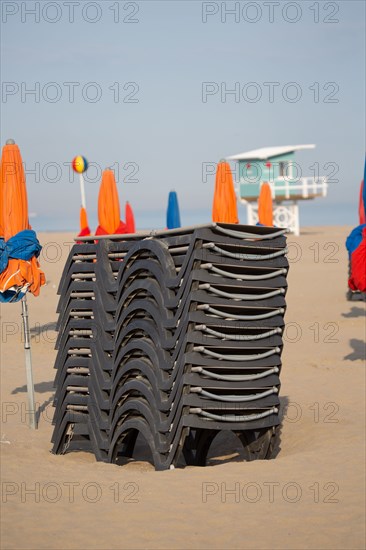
[{"x": 312, "y": 495}]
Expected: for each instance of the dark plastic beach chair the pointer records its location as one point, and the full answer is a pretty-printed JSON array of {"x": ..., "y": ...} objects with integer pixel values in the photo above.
[{"x": 175, "y": 335}]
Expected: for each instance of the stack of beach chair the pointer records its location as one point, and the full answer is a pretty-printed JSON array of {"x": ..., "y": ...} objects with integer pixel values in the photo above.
[{"x": 174, "y": 335}]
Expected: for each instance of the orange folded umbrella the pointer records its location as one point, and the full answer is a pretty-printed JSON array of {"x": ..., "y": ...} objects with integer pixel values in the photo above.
[
  {"x": 362, "y": 202},
  {"x": 130, "y": 218},
  {"x": 84, "y": 225},
  {"x": 19, "y": 248},
  {"x": 109, "y": 215},
  {"x": 14, "y": 202},
  {"x": 224, "y": 208},
  {"x": 265, "y": 207},
  {"x": 19, "y": 274}
]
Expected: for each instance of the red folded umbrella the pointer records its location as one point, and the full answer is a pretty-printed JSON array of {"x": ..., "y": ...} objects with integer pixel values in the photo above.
[
  {"x": 357, "y": 280},
  {"x": 120, "y": 230},
  {"x": 130, "y": 218}
]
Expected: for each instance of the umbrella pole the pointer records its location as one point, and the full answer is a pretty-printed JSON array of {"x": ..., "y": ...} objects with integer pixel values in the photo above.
[
  {"x": 28, "y": 366},
  {"x": 82, "y": 191}
]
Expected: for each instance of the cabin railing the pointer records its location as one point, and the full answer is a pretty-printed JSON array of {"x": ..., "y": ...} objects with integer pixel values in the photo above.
[{"x": 284, "y": 189}]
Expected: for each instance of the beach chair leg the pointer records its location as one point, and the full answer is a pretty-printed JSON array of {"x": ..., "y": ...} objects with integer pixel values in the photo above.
[
  {"x": 257, "y": 444},
  {"x": 28, "y": 366}
]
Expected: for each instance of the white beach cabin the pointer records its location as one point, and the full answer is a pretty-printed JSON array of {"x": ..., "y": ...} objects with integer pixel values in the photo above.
[{"x": 276, "y": 165}]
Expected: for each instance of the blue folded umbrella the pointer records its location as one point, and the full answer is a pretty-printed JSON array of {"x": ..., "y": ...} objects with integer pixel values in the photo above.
[
  {"x": 173, "y": 216},
  {"x": 22, "y": 246},
  {"x": 354, "y": 238},
  {"x": 364, "y": 188}
]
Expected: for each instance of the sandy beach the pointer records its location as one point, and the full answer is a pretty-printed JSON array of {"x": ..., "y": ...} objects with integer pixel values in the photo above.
[{"x": 312, "y": 495}]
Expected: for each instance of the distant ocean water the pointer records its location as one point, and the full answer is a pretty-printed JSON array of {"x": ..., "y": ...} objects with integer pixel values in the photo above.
[{"x": 311, "y": 214}]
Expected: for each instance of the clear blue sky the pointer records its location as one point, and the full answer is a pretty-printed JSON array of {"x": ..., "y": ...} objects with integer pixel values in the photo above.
[{"x": 169, "y": 132}]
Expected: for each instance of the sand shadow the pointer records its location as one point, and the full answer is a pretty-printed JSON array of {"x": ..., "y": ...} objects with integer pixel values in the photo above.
[
  {"x": 227, "y": 447},
  {"x": 41, "y": 387},
  {"x": 141, "y": 454},
  {"x": 38, "y": 330},
  {"x": 305, "y": 231},
  {"x": 355, "y": 312},
  {"x": 358, "y": 352},
  {"x": 41, "y": 409}
]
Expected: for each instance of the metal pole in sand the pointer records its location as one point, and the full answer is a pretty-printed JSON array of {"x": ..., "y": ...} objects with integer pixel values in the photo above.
[{"x": 28, "y": 366}]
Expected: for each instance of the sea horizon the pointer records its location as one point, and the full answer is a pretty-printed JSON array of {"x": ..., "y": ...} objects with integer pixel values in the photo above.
[{"x": 311, "y": 214}]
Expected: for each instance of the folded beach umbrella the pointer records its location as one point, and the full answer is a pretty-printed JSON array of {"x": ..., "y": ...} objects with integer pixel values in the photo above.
[
  {"x": 173, "y": 215},
  {"x": 80, "y": 165},
  {"x": 224, "y": 208},
  {"x": 357, "y": 279},
  {"x": 362, "y": 202},
  {"x": 84, "y": 225},
  {"x": 356, "y": 246},
  {"x": 265, "y": 208},
  {"x": 19, "y": 248},
  {"x": 109, "y": 215},
  {"x": 130, "y": 219}
]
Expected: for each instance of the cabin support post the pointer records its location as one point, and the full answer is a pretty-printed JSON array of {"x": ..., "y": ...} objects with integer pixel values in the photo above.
[{"x": 284, "y": 215}]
